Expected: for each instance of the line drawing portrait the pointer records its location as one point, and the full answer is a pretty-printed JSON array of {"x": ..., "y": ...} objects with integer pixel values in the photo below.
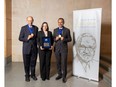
[{"x": 85, "y": 49}]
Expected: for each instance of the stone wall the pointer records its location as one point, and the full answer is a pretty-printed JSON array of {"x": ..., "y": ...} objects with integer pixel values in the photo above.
[{"x": 50, "y": 11}]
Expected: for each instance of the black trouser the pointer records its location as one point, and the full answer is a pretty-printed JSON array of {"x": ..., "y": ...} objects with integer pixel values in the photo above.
[
  {"x": 45, "y": 62},
  {"x": 30, "y": 63},
  {"x": 61, "y": 61}
]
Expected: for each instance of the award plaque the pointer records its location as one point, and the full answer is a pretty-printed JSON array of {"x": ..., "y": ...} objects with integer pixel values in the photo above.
[{"x": 46, "y": 42}]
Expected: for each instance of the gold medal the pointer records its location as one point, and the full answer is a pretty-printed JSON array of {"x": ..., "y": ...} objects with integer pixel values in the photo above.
[
  {"x": 59, "y": 36},
  {"x": 32, "y": 34}
]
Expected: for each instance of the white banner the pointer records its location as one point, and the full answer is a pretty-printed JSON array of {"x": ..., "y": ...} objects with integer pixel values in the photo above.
[{"x": 86, "y": 47}]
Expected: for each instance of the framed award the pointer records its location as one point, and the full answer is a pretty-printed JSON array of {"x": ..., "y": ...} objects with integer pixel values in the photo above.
[{"x": 46, "y": 42}]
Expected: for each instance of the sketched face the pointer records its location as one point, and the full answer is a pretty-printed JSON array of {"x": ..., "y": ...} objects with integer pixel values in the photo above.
[{"x": 85, "y": 47}]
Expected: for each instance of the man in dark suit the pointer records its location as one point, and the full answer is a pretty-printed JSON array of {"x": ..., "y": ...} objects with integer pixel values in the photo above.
[
  {"x": 61, "y": 37},
  {"x": 28, "y": 35}
]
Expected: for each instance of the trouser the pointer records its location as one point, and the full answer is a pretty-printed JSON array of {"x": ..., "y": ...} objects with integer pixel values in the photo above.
[
  {"x": 61, "y": 61},
  {"x": 45, "y": 62},
  {"x": 30, "y": 63}
]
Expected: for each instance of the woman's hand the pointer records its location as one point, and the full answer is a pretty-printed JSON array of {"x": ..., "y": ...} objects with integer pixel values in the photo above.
[
  {"x": 41, "y": 48},
  {"x": 51, "y": 48}
]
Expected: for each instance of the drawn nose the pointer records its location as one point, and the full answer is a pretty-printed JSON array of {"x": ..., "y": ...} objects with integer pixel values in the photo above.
[{"x": 86, "y": 51}]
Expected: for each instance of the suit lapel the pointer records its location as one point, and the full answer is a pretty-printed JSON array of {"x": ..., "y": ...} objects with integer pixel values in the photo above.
[
  {"x": 63, "y": 33},
  {"x": 57, "y": 32},
  {"x": 27, "y": 29},
  {"x": 34, "y": 29}
]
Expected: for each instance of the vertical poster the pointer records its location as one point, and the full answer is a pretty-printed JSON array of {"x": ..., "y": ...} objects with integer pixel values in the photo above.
[{"x": 86, "y": 43}]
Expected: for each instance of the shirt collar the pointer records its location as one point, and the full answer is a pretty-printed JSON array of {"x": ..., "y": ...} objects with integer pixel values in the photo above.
[
  {"x": 29, "y": 26},
  {"x": 60, "y": 28}
]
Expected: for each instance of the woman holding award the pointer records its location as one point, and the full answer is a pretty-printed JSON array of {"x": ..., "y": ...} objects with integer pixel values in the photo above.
[{"x": 45, "y": 41}]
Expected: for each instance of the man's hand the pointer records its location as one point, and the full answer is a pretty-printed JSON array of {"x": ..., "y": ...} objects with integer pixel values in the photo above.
[
  {"x": 62, "y": 38},
  {"x": 41, "y": 48},
  {"x": 30, "y": 36},
  {"x": 57, "y": 38},
  {"x": 51, "y": 48}
]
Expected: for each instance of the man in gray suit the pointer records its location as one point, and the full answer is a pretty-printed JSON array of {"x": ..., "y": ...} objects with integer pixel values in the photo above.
[{"x": 61, "y": 37}]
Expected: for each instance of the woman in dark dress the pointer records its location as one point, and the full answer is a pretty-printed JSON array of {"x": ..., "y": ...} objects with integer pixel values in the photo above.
[{"x": 45, "y": 50}]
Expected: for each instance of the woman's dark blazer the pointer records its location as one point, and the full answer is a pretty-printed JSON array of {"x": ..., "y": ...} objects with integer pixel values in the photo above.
[{"x": 41, "y": 35}]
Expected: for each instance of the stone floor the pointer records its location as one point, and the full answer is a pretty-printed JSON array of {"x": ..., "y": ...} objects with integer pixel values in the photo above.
[{"x": 14, "y": 77}]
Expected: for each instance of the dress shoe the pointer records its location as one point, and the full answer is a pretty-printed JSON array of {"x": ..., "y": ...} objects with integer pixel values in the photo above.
[
  {"x": 48, "y": 78},
  {"x": 58, "y": 77},
  {"x": 27, "y": 79},
  {"x": 64, "y": 80},
  {"x": 43, "y": 79},
  {"x": 34, "y": 78}
]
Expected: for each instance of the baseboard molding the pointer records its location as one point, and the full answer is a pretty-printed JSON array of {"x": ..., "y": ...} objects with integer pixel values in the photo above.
[{"x": 8, "y": 60}]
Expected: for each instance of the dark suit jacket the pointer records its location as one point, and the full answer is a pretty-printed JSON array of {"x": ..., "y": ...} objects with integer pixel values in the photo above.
[
  {"x": 62, "y": 45},
  {"x": 41, "y": 35},
  {"x": 31, "y": 43}
]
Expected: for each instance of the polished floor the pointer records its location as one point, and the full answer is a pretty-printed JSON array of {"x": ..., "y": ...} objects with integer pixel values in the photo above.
[{"x": 14, "y": 77}]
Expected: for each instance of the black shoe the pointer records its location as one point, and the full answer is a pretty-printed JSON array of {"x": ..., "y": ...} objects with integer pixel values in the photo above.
[
  {"x": 48, "y": 78},
  {"x": 27, "y": 79},
  {"x": 43, "y": 79},
  {"x": 58, "y": 77},
  {"x": 64, "y": 80},
  {"x": 34, "y": 78}
]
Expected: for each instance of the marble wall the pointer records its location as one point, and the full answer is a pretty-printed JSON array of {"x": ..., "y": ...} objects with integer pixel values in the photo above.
[{"x": 50, "y": 11}]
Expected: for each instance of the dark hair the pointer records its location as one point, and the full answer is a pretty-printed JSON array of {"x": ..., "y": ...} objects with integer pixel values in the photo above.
[
  {"x": 43, "y": 24},
  {"x": 61, "y": 19}
]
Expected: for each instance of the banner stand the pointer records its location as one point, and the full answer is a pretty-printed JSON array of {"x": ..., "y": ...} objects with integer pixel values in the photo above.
[
  {"x": 86, "y": 45},
  {"x": 89, "y": 80}
]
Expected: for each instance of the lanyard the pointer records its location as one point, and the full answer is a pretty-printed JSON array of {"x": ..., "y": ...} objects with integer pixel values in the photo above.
[
  {"x": 30, "y": 29},
  {"x": 60, "y": 31}
]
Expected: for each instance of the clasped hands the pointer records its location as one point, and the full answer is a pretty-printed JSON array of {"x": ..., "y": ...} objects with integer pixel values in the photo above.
[
  {"x": 59, "y": 37},
  {"x": 43, "y": 48}
]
